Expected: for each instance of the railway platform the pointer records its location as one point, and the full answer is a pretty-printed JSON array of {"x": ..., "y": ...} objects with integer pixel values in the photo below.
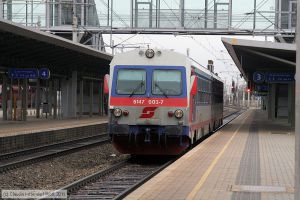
[
  {"x": 15, "y": 135},
  {"x": 250, "y": 158}
]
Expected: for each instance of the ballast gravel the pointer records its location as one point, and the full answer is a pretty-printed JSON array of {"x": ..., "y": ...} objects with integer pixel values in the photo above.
[{"x": 60, "y": 171}]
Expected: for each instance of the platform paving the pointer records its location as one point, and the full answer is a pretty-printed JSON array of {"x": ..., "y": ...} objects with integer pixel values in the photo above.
[
  {"x": 251, "y": 158},
  {"x": 12, "y": 128}
]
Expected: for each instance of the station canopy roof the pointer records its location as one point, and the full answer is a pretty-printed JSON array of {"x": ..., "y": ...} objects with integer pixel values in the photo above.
[
  {"x": 251, "y": 56},
  {"x": 24, "y": 47}
]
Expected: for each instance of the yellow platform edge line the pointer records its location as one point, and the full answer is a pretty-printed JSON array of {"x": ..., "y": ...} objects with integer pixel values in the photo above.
[{"x": 193, "y": 193}]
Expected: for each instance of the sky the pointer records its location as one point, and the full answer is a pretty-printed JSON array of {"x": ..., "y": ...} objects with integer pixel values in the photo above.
[{"x": 201, "y": 48}]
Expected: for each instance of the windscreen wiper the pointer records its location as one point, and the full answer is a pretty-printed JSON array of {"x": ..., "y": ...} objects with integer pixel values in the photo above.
[
  {"x": 162, "y": 90},
  {"x": 141, "y": 84}
]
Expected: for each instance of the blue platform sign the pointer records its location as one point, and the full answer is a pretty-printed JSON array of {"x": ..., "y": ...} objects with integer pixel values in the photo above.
[
  {"x": 23, "y": 73},
  {"x": 258, "y": 77},
  {"x": 280, "y": 77},
  {"x": 44, "y": 73}
]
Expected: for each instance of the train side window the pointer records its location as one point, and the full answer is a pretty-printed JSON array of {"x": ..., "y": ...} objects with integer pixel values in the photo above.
[{"x": 204, "y": 92}]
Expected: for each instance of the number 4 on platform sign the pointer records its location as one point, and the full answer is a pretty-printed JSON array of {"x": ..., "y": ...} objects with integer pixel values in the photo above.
[{"x": 44, "y": 73}]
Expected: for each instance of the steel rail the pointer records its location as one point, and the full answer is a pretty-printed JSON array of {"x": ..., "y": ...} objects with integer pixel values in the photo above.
[{"x": 20, "y": 158}]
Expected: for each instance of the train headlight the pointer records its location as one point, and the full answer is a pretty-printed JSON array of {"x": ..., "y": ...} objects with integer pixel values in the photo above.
[
  {"x": 149, "y": 53},
  {"x": 117, "y": 112},
  {"x": 178, "y": 113}
]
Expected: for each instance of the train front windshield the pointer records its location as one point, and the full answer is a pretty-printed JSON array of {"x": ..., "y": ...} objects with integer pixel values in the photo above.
[
  {"x": 166, "y": 82},
  {"x": 158, "y": 82},
  {"x": 131, "y": 81}
]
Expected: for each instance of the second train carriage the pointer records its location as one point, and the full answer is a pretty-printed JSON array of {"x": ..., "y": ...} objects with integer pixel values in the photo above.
[{"x": 161, "y": 102}]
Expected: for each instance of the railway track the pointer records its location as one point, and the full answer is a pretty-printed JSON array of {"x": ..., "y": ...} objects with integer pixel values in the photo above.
[
  {"x": 20, "y": 158},
  {"x": 122, "y": 178},
  {"x": 117, "y": 181}
]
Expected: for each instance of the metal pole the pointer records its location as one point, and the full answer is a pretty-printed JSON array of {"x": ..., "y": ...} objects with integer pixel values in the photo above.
[
  {"x": 111, "y": 24},
  {"x": 11, "y": 99},
  {"x": 46, "y": 101},
  {"x": 55, "y": 98},
  {"x": 24, "y": 100},
  {"x": 9, "y": 9},
  {"x": 1, "y": 9},
  {"x": 50, "y": 97},
  {"x": 4, "y": 97},
  {"x": 26, "y": 15},
  {"x": 215, "y": 14},
  {"x": 297, "y": 110},
  {"x": 91, "y": 98},
  {"x": 205, "y": 14},
  {"x": 244, "y": 96},
  {"x": 131, "y": 13},
  {"x": 237, "y": 90},
  {"x": 59, "y": 13},
  {"x": 230, "y": 14},
  {"x": 279, "y": 15},
  {"x": 108, "y": 13},
  {"x": 113, "y": 48},
  {"x": 83, "y": 20},
  {"x": 101, "y": 99},
  {"x": 158, "y": 15},
  {"x": 74, "y": 29},
  {"x": 81, "y": 99},
  {"x": 31, "y": 12},
  {"x": 47, "y": 15},
  {"x": 150, "y": 14},
  {"x": 181, "y": 7},
  {"x": 254, "y": 15},
  {"x": 38, "y": 98},
  {"x": 248, "y": 99}
]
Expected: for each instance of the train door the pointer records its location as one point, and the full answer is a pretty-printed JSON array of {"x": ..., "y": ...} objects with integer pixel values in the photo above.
[
  {"x": 194, "y": 110},
  {"x": 193, "y": 97}
]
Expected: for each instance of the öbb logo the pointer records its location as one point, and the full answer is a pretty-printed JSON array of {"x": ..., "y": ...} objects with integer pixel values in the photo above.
[{"x": 148, "y": 112}]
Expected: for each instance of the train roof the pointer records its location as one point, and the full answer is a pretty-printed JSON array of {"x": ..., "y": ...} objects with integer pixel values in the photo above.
[
  {"x": 138, "y": 57},
  {"x": 203, "y": 69}
]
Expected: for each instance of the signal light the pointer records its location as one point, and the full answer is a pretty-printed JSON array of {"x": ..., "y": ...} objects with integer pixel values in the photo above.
[{"x": 248, "y": 90}]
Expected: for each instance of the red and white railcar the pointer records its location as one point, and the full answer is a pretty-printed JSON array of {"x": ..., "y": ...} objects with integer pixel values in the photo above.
[{"x": 161, "y": 102}]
